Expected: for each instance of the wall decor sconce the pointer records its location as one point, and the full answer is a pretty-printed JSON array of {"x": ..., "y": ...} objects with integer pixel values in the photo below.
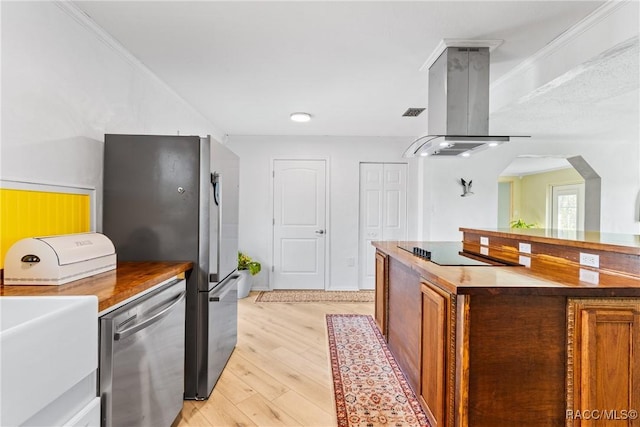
[{"x": 466, "y": 188}]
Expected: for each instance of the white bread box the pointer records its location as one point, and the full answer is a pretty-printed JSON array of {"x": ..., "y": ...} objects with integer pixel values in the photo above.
[{"x": 57, "y": 260}]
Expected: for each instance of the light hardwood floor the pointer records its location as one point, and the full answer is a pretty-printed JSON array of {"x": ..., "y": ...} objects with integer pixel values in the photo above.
[{"x": 279, "y": 374}]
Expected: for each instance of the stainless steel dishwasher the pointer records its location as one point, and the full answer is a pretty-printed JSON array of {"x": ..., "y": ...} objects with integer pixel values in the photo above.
[{"x": 142, "y": 359}]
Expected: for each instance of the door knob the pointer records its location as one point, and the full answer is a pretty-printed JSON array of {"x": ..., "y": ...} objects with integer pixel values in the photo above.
[{"x": 319, "y": 231}]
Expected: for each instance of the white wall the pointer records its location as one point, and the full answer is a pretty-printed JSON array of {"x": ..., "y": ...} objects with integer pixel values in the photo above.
[
  {"x": 64, "y": 85},
  {"x": 637, "y": 216},
  {"x": 344, "y": 155},
  {"x": 444, "y": 211}
]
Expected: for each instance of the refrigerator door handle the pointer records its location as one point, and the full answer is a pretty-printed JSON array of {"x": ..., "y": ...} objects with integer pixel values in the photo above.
[
  {"x": 218, "y": 296},
  {"x": 215, "y": 182}
]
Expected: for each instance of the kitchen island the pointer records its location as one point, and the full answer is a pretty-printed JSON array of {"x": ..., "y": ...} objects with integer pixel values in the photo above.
[{"x": 544, "y": 343}]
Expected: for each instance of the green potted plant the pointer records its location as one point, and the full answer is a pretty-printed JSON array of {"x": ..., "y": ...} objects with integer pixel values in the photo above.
[
  {"x": 521, "y": 224},
  {"x": 247, "y": 267},
  {"x": 246, "y": 263}
]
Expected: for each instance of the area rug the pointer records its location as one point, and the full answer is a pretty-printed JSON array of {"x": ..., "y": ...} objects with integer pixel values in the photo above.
[
  {"x": 370, "y": 389},
  {"x": 315, "y": 296}
]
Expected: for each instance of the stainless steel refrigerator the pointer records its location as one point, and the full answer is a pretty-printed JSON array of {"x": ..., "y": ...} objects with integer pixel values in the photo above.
[{"x": 176, "y": 198}]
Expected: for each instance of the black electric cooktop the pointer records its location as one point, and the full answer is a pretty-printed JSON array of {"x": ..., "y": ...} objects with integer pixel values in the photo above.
[{"x": 448, "y": 253}]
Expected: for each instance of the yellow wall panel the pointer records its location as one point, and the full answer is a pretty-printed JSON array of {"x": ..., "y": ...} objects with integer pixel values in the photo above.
[{"x": 27, "y": 213}]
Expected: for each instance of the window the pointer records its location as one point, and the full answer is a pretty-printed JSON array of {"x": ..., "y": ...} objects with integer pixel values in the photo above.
[{"x": 567, "y": 207}]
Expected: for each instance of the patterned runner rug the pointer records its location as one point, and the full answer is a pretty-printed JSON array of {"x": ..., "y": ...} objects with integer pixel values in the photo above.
[
  {"x": 315, "y": 296},
  {"x": 370, "y": 390}
]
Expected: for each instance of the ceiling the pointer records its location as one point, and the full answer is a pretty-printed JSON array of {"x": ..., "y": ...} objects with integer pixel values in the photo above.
[
  {"x": 597, "y": 100},
  {"x": 355, "y": 66},
  {"x": 521, "y": 166}
]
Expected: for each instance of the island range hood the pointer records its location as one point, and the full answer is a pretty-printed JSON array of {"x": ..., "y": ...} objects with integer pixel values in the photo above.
[{"x": 458, "y": 105}]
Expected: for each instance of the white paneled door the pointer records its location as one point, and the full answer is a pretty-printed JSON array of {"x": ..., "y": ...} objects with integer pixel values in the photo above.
[
  {"x": 383, "y": 212},
  {"x": 299, "y": 224}
]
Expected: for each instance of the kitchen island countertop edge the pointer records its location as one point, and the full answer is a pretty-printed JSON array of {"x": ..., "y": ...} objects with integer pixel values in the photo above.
[{"x": 513, "y": 280}]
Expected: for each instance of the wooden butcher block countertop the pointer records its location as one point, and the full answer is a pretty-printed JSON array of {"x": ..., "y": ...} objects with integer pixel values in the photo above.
[{"x": 113, "y": 288}]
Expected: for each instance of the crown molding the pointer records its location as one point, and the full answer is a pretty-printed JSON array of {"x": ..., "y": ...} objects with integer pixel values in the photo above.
[
  {"x": 83, "y": 19},
  {"x": 594, "y": 18}
]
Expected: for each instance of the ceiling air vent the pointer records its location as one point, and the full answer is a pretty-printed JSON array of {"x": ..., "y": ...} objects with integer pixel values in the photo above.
[{"x": 413, "y": 112}]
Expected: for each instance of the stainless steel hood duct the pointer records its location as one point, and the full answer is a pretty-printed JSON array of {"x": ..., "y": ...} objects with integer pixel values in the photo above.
[{"x": 458, "y": 105}]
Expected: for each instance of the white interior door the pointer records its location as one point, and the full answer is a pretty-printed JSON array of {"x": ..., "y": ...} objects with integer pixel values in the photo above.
[
  {"x": 383, "y": 212},
  {"x": 299, "y": 224}
]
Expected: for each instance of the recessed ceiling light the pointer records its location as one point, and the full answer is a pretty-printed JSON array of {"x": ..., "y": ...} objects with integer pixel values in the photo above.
[
  {"x": 424, "y": 154},
  {"x": 300, "y": 117},
  {"x": 493, "y": 144},
  {"x": 465, "y": 154}
]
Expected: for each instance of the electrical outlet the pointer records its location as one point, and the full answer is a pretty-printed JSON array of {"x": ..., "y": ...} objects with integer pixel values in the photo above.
[
  {"x": 524, "y": 261},
  {"x": 589, "y": 276},
  {"x": 484, "y": 241},
  {"x": 589, "y": 260},
  {"x": 351, "y": 262},
  {"x": 525, "y": 248}
]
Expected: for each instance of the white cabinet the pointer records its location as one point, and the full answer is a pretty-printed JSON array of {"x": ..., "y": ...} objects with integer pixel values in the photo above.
[
  {"x": 48, "y": 361},
  {"x": 89, "y": 416}
]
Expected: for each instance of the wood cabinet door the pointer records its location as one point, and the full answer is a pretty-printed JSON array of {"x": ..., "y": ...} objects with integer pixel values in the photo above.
[
  {"x": 381, "y": 292},
  {"x": 404, "y": 320},
  {"x": 434, "y": 353},
  {"x": 603, "y": 370}
]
